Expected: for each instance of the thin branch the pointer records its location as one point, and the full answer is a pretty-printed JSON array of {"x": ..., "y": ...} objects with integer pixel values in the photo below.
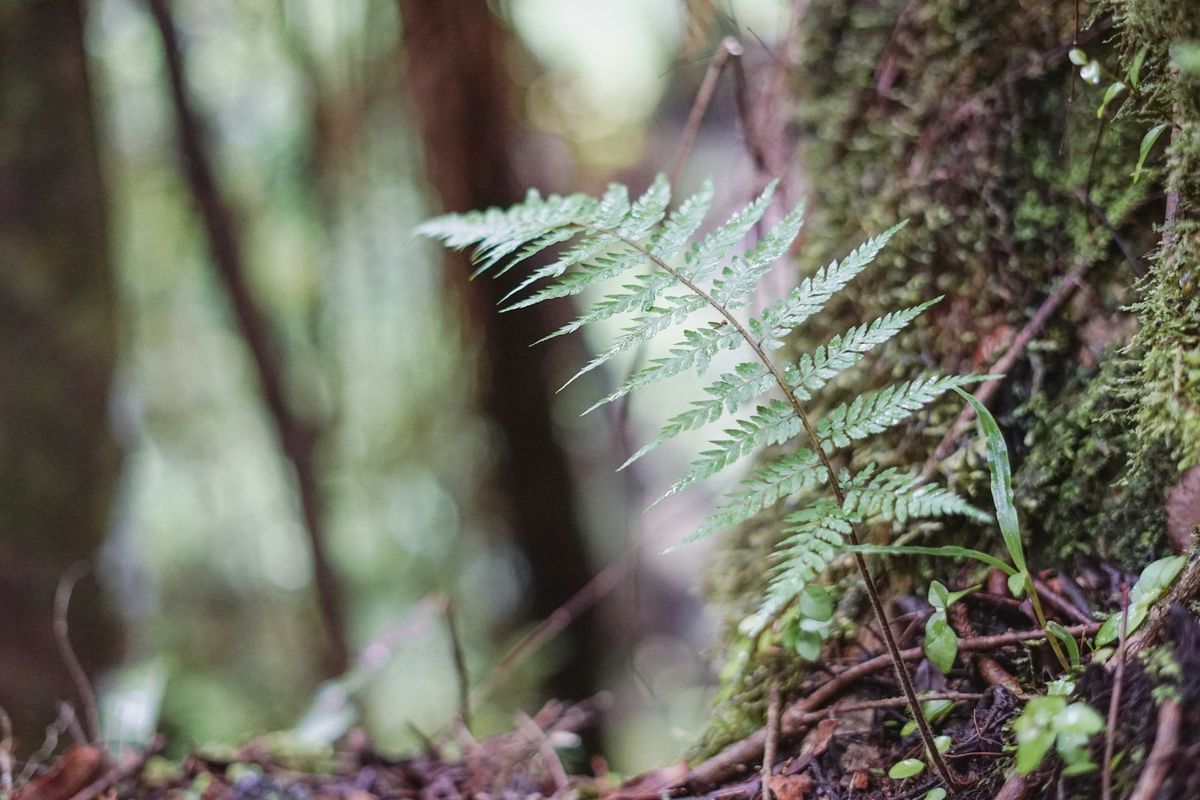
[
  {"x": 730, "y": 48},
  {"x": 538, "y": 738},
  {"x": 771, "y": 749},
  {"x": 62, "y": 637},
  {"x": 588, "y": 595},
  {"x": 1158, "y": 763},
  {"x": 1114, "y": 701},
  {"x": 6, "y": 751},
  {"x": 460, "y": 666},
  {"x": 297, "y": 436},
  {"x": 796, "y": 718},
  {"x": 1061, "y": 293}
]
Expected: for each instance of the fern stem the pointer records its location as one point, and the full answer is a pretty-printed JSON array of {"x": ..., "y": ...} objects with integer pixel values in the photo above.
[{"x": 901, "y": 668}]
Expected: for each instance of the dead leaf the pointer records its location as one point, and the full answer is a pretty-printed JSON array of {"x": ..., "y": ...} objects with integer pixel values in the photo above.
[
  {"x": 74, "y": 771},
  {"x": 791, "y": 787}
]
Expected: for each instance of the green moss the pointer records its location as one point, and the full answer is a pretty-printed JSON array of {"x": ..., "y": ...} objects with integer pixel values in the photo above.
[{"x": 968, "y": 119}]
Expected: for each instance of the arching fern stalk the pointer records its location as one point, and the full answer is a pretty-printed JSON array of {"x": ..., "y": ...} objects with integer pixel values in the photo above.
[{"x": 671, "y": 279}]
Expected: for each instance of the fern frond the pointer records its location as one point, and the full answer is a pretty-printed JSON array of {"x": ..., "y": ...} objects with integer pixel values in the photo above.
[
  {"x": 816, "y": 534},
  {"x": 703, "y": 259},
  {"x": 727, "y": 394},
  {"x": 496, "y": 233},
  {"x": 737, "y": 282},
  {"x": 772, "y": 423},
  {"x": 697, "y": 350},
  {"x": 786, "y": 476},
  {"x": 900, "y": 496},
  {"x": 829, "y": 360},
  {"x": 875, "y": 412},
  {"x": 784, "y": 316}
]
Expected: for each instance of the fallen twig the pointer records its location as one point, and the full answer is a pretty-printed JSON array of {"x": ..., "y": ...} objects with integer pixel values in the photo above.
[
  {"x": 1061, "y": 293},
  {"x": 538, "y": 738},
  {"x": 1114, "y": 701},
  {"x": 62, "y": 637},
  {"x": 771, "y": 748},
  {"x": 1166, "y": 740},
  {"x": 460, "y": 666},
  {"x": 730, "y": 48}
]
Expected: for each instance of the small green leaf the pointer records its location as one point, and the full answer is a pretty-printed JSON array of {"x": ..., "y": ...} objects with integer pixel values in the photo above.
[
  {"x": 1078, "y": 57},
  {"x": 1134, "y": 73},
  {"x": 1002, "y": 492},
  {"x": 1147, "y": 145},
  {"x": 936, "y": 793},
  {"x": 1080, "y": 718},
  {"x": 1113, "y": 91},
  {"x": 1155, "y": 579},
  {"x": 941, "y": 645},
  {"x": 942, "y": 743},
  {"x": 939, "y": 595},
  {"x": 1064, "y": 636},
  {"x": 1016, "y": 584},
  {"x": 1080, "y": 768},
  {"x": 1090, "y": 72},
  {"x": 808, "y": 645},
  {"x": 815, "y": 603},
  {"x": 908, "y": 768}
]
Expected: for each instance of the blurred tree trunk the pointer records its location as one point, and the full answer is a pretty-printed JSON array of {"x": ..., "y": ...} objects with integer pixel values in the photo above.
[
  {"x": 58, "y": 458},
  {"x": 460, "y": 85}
]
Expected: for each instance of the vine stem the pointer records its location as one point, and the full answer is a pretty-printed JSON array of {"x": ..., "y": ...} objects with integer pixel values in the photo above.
[{"x": 881, "y": 617}]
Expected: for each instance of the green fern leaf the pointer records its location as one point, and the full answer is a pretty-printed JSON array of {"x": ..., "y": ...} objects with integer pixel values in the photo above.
[
  {"x": 784, "y": 316},
  {"x": 786, "y": 476},
  {"x": 816, "y": 533},
  {"x": 829, "y": 360},
  {"x": 772, "y": 423},
  {"x": 702, "y": 260},
  {"x": 875, "y": 412},
  {"x": 900, "y": 496},
  {"x": 738, "y": 281},
  {"x": 726, "y": 395}
]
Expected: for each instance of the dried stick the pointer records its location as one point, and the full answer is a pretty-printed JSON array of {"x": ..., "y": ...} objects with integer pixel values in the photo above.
[
  {"x": 771, "y": 749},
  {"x": 1114, "y": 701},
  {"x": 1166, "y": 740},
  {"x": 62, "y": 637},
  {"x": 297, "y": 436},
  {"x": 460, "y": 666},
  {"x": 122, "y": 773},
  {"x": 588, "y": 595},
  {"x": 538, "y": 738},
  {"x": 730, "y": 48},
  {"x": 796, "y": 718},
  {"x": 6, "y": 750},
  {"x": 1061, "y": 293}
]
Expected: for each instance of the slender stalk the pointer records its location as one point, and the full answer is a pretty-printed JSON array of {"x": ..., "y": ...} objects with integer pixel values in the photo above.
[{"x": 881, "y": 617}]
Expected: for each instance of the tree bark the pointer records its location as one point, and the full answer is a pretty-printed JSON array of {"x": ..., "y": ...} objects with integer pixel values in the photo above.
[
  {"x": 58, "y": 456},
  {"x": 459, "y": 84}
]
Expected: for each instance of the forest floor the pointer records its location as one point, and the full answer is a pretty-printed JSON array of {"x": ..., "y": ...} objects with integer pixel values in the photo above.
[{"x": 834, "y": 739}]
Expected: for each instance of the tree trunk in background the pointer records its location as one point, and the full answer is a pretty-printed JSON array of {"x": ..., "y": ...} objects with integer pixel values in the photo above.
[
  {"x": 58, "y": 458},
  {"x": 460, "y": 87}
]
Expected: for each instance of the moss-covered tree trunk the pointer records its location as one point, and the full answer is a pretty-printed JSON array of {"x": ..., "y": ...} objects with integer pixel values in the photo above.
[
  {"x": 969, "y": 119},
  {"x": 58, "y": 459}
]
